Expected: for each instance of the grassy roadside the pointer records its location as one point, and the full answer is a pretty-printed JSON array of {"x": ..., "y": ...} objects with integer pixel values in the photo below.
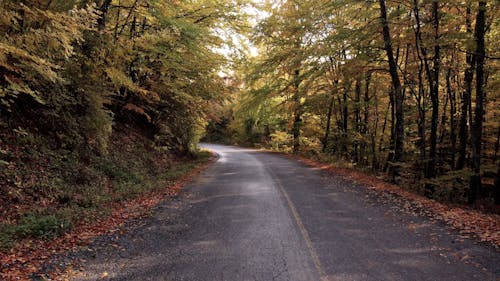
[
  {"x": 46, "y": 193},
  {"x": 129, "y": 190},
  {"x": 50, "y": 222}
]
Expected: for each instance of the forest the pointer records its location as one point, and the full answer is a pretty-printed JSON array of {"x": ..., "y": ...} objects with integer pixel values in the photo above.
[
  {"x": 406, "y": 89},
  {"x": 100, "y": 101},
  {"x": 103, "y": 100}
]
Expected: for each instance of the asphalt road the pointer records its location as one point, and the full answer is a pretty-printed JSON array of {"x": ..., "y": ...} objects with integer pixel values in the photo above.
[{"x": 261, "y": 216}]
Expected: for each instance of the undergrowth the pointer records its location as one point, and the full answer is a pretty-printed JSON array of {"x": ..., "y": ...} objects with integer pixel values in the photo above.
[
  {"x": 450, "y": 188},
  {"x": 44, "y": 192}
]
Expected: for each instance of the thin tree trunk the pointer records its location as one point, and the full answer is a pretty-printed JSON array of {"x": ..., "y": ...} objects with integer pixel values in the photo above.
[
  {"x": 366, "y": 113},
  {"x": 328, "y": 122},
  {"x": 345, "y": 118},
  {"x": 453, "y": 111},
  {"x": 384, "y": 126},
  {"x": 421, "y": 112},
  {"x": 434, "y": 94},
  {"x": 373, "y": 135},
  {"x": 345, "y": 110},
  {"x": 115, "y": 32},
  {"x": 130, "y": 12},
  {"x": 466, "y": 100},
  {"x": 496, "y": 190},
  {"x": 421, "y": 101},
  {"x": 357, "y": 119},
  {"x": 497, "y": 144},
  {"x": 297, "y": 120},
  {"x": 392, "y": 139},
  {"x": 133, "y": 27},
  {"x": 104, "y": 9},
  {"x": 477, "y": 127},
  {"x": 366, "y": 102}
]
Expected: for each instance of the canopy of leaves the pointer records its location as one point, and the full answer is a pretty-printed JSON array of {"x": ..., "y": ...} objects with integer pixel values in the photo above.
[
  {"x": 322, "y": 65},
  {"x": 84, "y": 64}
]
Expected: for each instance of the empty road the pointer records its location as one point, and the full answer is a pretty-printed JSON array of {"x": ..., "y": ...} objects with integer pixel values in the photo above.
[{"x": 261, "y": 216}]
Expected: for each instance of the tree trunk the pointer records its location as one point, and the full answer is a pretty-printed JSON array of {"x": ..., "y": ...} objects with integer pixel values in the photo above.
[
  {"x": 345, "y": 110},
  {"x": 392, "y": 139},
  {"x": 434, "y": 94},
  {"x": 329, "y": 116},
  {"x": 466, "y": 100},
  {"x": 328, "y": 122},
  {"x": 497, "y": 144},
  {"x": 384, "y": 126},
  {"x": 366, "y": 113},
  {"x": 132, "y": 28},
  {"x": 396, "y": 84},
  {"x": 297, "y": 120},
  {"x": 477, "y": 127},
  {"x": 104, "y": 9},
  {"x": 366, "y": 102},
  {"x": 345, "y": 118},
  {"x": 496, "y": 190},
  {"x": 453, "y": 111},
  {"x": 373, "y": 132},
  {"x": 421, "y": 114},
  {"x": 357, "y": 120}
]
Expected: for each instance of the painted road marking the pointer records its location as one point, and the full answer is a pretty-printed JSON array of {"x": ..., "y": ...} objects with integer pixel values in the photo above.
[{"x": 303, "y": 230}]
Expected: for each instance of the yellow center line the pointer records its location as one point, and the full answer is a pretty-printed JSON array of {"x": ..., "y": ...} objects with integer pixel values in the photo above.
[{"x": 303, "y": 230}]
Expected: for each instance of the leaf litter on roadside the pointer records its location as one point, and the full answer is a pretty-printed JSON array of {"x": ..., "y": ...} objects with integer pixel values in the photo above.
[
  {"x": 469, "y": 222},
  {"x": 24, "y": 261}
]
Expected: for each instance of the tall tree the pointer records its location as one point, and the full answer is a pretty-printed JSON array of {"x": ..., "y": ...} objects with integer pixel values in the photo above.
[
  {"x": 434, "y": 91},
  {"x": 466, "y": 95},
  {"x": 396, "y": 84},
  {"x": 477, "y": 126}
]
